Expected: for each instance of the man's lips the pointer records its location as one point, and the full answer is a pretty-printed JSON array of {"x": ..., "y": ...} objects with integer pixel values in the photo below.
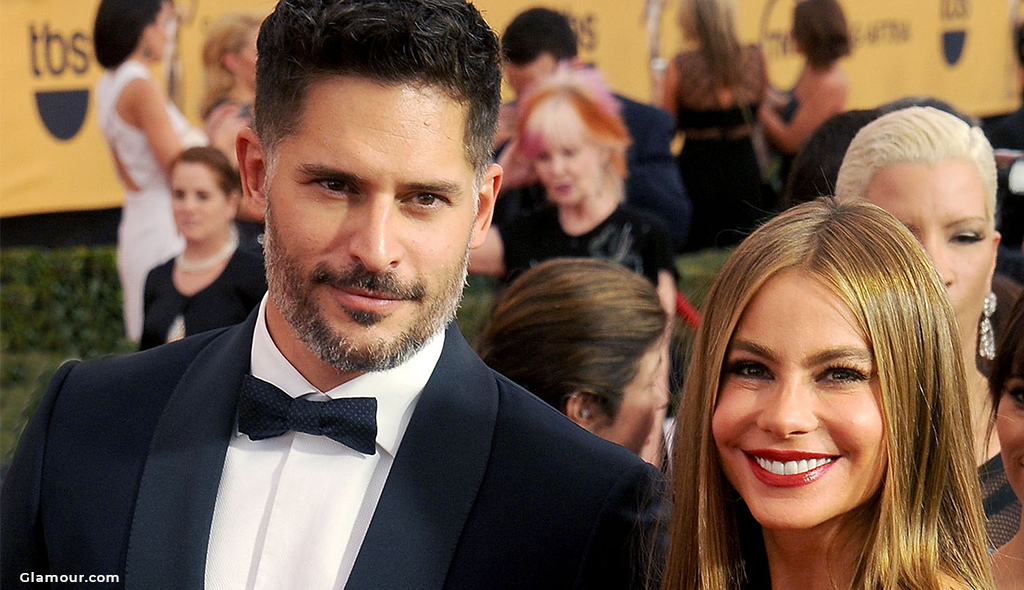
[
  {"x": 788, "y": 468},
  {"x": 362, "y": 299}
]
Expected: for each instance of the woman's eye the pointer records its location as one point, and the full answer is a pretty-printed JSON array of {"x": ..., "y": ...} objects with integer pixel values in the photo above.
[
  {"x": 967, "y": 238},
  {"x": 844, "y": 374},
  {"x": 1017, "y": 394},
  {"x": 748, "y": 369},
  {"x": 178, "y": 195}
]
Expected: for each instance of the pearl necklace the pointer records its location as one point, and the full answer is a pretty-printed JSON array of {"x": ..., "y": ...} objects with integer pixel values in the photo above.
[{"x": 198, "y": 266}]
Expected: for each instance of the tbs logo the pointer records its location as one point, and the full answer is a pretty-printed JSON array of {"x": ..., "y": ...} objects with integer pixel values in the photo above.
[
  {"x": 53, "y": 55},
  {"x": 955, "y": 14}
]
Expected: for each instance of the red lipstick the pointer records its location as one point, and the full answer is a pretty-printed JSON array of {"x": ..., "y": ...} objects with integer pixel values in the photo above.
[{"x": 787, "y": 469}]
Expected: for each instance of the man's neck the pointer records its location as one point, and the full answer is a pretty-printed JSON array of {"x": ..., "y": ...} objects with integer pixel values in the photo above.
[{"x": 319, "y": 374}]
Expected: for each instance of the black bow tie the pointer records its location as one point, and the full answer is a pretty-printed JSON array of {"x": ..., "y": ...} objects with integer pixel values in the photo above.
[{"x": 264, "y": 411}]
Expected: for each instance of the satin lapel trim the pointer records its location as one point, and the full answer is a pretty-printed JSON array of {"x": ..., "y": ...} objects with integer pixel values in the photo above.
[
  {"x": 178, "y": 491},
  {"x": 435, "y": 478}
]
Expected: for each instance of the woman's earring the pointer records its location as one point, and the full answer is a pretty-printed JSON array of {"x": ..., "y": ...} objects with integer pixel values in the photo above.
[{"x": 987, "y": 343}]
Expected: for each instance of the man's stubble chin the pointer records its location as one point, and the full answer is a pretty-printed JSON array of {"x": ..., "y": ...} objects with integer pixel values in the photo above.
[{"x": 362, "y": 343}]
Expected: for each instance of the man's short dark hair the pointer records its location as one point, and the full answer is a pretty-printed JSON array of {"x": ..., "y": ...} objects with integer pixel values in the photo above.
[
  {"x": 443, "y": 44},
  {"x": 535, "y": 32}
]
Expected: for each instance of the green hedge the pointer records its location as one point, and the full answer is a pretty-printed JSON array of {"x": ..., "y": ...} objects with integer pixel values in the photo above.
[
  {"x": 66, "y": 303},
  {"x": 69, "y": 300}
]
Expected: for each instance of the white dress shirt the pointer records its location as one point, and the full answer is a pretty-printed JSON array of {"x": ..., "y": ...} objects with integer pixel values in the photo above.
[{"x": 292, "y": 511}]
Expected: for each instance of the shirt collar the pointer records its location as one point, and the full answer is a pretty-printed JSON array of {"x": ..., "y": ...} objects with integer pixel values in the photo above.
[{"x": 397, "y": 390}]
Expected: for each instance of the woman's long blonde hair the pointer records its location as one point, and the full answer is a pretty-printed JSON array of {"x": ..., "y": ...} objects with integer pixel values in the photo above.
[
  {"x": 229, "y": 34},
  {"x": 925, "y": 528},
  {"x": 712, "y": 24}
]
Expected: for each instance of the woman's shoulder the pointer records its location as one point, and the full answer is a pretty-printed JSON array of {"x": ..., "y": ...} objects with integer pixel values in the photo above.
[
  {"x": 690, "y": 60},
  {"x": 832, "y": 79},
  {"x": 129, "y": 70},
  {"x": 160, "y": 276}
]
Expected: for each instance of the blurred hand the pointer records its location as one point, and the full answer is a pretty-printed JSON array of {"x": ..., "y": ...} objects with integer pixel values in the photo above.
[
  {"x": 506, "y": 124},
  {"x": 518, "y": 169}
]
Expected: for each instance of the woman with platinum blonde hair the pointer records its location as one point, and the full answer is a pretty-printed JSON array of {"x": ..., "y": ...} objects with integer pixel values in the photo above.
[
  {"x": 824, "y": 440},
  {"x": 936, "y": 174}
]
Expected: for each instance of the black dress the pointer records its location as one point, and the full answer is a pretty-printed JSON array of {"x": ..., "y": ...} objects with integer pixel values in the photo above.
[
  {"x": 226, "y": 301},
  {"x": 628, "y": 236},
  {"x": 718, "y": 162}
]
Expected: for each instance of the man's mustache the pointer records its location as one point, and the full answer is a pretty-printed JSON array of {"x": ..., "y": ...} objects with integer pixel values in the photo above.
[{"x": 386, "y": 284}]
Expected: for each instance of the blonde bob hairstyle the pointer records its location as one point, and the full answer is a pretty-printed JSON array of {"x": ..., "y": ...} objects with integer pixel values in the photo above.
[
  {"x": 916, "y": 135},
  {"x": 924, "y": 528},
  {"x": 228, "y": 35}
]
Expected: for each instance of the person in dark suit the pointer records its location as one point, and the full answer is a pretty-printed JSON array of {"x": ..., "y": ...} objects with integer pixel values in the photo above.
[
  {"x": 533, "y": 45},
  {"x": 345, "y": 435}
]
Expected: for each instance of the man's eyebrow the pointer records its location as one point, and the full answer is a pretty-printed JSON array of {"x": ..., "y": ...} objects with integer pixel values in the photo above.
[
  {"x": 322, "y": 171},
  {"x": 441, "y": 187}
]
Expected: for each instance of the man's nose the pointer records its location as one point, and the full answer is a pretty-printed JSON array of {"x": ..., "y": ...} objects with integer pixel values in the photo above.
[{"x": 374, "y": 236}]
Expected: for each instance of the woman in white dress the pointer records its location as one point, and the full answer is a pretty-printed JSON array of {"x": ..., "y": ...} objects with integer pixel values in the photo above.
[{"x": 145, "y": 132}]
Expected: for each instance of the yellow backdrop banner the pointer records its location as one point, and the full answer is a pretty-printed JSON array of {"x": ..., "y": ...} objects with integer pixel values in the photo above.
[
  {"x": 53, "y": 157},
  {"x": 52, "y": 154}
]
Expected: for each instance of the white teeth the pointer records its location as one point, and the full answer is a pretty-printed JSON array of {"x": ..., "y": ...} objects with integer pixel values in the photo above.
[{"x": 791, "y": 467}]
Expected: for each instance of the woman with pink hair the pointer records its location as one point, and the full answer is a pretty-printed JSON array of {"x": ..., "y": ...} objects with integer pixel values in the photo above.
[{"x": 570, "y": 131}]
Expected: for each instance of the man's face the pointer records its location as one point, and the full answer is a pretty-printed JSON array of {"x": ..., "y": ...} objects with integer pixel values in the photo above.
[
  {"x": 371, "y": 210},
  {"x": 523, "y": 78}
]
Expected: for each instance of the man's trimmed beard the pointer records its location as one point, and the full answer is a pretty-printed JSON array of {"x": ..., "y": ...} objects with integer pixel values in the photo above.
[{"x": 292, "y": 292}]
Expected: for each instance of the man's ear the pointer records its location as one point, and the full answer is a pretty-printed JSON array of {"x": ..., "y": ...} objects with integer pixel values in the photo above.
[
  {"x": 489, "y": 187},
  {"x": 252, "y": 166}
]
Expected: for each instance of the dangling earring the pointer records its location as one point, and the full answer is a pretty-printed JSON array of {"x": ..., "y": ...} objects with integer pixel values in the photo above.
[{"x": 987, "y": 340}]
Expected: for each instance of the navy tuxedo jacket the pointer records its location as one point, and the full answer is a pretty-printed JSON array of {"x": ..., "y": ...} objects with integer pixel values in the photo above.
[{"x": 118, "y": 472}]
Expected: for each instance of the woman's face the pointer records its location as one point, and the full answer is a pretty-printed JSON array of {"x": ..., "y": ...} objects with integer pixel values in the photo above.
[
  {"x": 1010, "y": 428},
  {"x": 797, "y": 424},
  {"x": 202, "y": 211},
  {"x": 641, "y": 401},
  {"x": 571, "y": 168},
  {"x": 159, "y": 33},
  {"x": 944, "y": 206},
  {"x": 242, "y": 63}
]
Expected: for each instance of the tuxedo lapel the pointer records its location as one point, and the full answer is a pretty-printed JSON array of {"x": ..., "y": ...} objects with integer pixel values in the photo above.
[
  {"x": 435, "y": 477},
  {"x": 174, "y": 510}
]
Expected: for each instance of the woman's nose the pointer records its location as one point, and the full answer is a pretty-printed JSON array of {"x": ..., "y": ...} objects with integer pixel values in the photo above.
[{"x": 790, "y": 411}]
